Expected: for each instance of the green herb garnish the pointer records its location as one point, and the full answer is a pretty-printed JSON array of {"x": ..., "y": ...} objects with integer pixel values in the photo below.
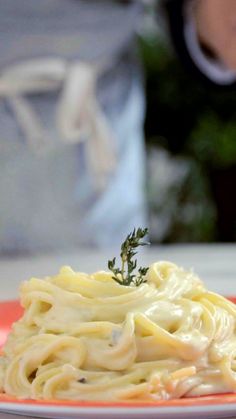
[{"x": 125, "y": 275}]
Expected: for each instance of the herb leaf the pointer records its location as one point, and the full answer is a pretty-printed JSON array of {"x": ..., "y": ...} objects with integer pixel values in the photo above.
[{"x": 126, "y": 275}]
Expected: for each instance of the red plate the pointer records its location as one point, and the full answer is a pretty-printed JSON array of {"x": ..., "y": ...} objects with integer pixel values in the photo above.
[{"x": 10, "y": 311}]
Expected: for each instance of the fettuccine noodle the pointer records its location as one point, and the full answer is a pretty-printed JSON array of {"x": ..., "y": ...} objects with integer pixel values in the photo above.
[{"x": 85, "y": 337}]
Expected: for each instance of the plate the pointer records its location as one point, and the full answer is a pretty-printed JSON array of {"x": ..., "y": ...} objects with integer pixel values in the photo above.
[{"x": 217, "y": 406}]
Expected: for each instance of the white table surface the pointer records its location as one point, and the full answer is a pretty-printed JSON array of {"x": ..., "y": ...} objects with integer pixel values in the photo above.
[{"x": 215, "y": 264}]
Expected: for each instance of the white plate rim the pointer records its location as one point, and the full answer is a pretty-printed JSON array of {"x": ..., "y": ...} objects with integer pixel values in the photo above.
[{"x": 108, "y": 411}]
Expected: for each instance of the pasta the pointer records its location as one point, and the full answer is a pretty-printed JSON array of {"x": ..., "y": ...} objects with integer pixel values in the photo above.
[{"x": 85, "y": 337}]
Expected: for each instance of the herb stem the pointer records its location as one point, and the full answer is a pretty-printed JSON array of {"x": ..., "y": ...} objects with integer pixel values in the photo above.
[
  {"x": 122, "y": 267},
  {"x": 125, "y": 275}
]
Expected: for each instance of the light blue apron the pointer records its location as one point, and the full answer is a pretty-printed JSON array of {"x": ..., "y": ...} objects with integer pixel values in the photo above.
[{"x": 49, "y": 199}]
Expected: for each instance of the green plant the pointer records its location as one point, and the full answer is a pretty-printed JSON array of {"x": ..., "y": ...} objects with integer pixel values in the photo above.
[
  {"x": 213, "y": 141},
  {"x": 125, "y": 275}
]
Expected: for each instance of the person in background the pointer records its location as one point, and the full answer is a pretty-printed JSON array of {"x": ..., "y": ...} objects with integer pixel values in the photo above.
[
  {"x": 72, "y": 158},
  {"x": 203, "y": 33}
]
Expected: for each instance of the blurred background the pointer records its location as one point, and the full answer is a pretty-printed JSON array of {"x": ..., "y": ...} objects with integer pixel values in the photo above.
[
  {"x": 191, "y": 148},
  {"x": 114, "y": 115},
  {"x": 190, "y": 131}
]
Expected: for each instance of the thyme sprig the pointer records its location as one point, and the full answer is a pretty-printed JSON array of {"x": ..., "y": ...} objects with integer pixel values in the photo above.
[{"x": 126, "y": 275}]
